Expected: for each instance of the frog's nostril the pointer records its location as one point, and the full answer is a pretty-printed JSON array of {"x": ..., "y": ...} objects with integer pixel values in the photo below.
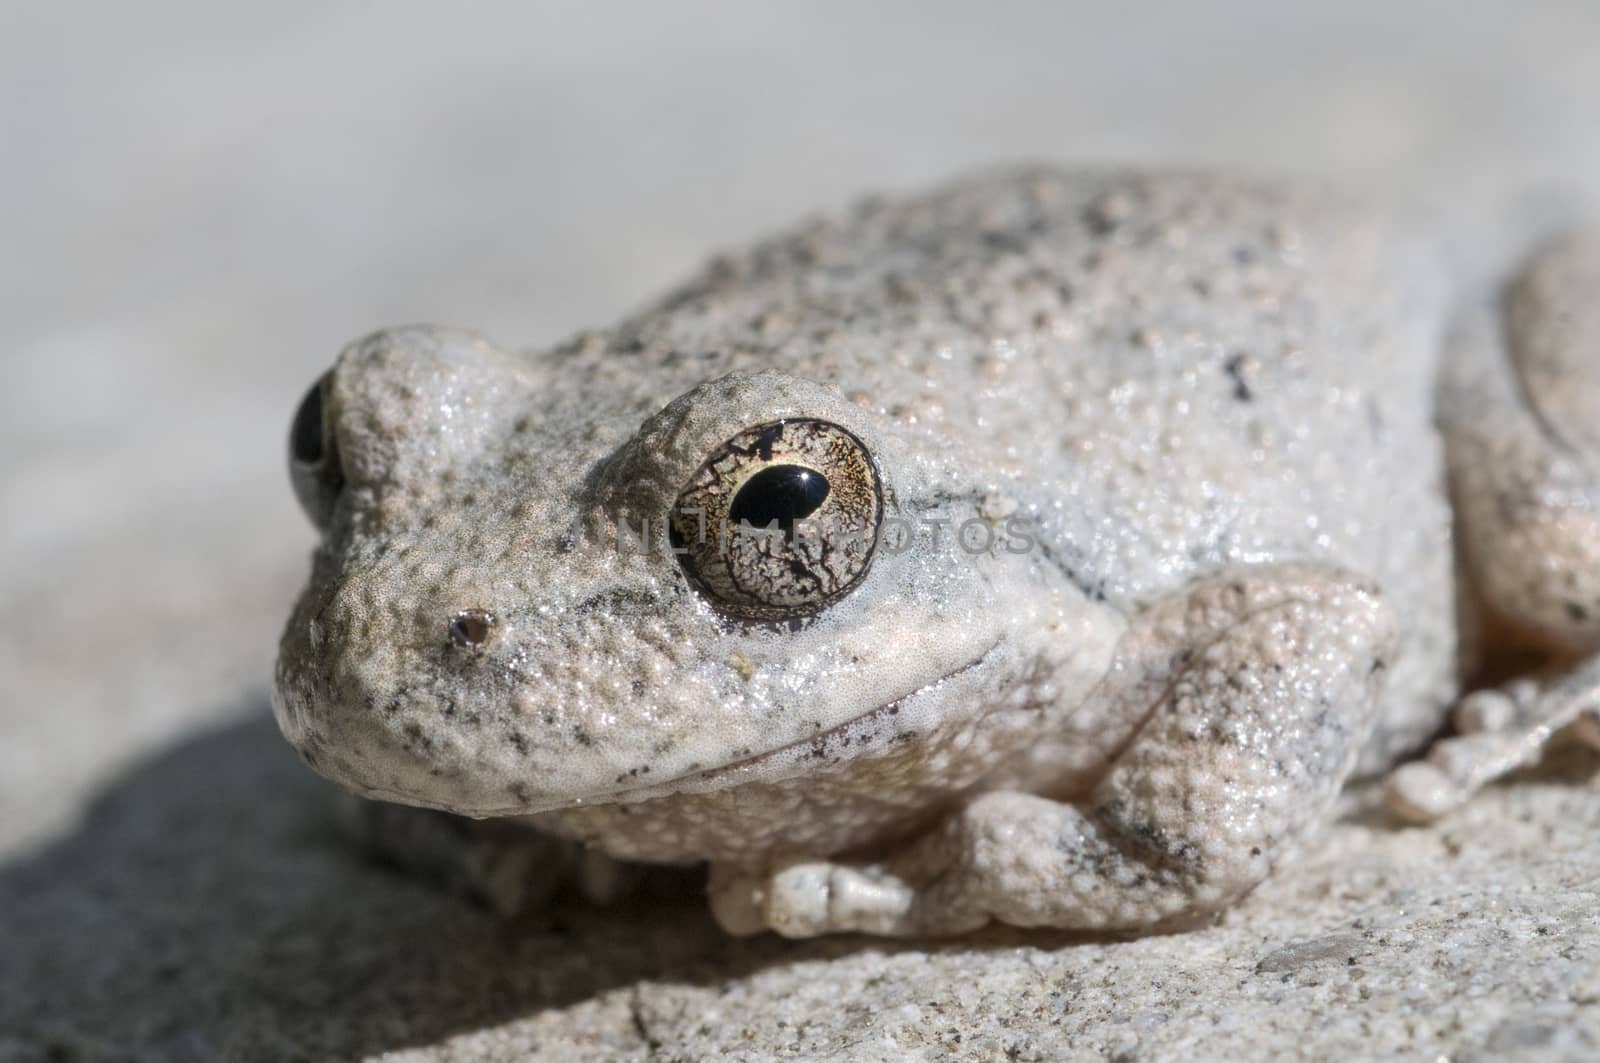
[{"x": 471, "y": 628}]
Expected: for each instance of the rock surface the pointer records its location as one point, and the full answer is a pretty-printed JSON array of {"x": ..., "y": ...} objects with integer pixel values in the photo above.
[
  {"x": 205, "y": 910},
  {"x": 204, "y": 207}
]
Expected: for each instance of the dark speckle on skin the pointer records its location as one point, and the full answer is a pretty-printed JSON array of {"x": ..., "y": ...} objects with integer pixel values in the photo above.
[
  {"x": 1005, "y": 240},
  {"x": 1235, "y": 368},
  {"x": 1376, "y": 423}
]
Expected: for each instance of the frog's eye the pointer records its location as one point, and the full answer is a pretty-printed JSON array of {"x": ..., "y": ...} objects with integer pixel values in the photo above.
[
  {"x": 313, "y": 456},
  {"x": 781, "y": 520}
]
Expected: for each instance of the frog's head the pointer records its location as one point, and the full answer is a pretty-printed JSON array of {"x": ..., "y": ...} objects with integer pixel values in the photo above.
[{"x": 487, "y": 631}]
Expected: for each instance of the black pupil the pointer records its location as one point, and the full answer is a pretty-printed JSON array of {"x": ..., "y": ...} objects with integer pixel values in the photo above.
[
  {"x": 782, "y": 493},
  {"x": 306, "y": 436}
]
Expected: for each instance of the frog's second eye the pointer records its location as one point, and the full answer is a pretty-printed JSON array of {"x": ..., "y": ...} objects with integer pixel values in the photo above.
[
  {"x": 313, "y": 456},
  {"x": 781, "y": 520}
]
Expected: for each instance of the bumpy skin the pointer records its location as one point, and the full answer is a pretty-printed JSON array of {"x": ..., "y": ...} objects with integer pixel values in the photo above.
[{"x": 1205, "y": 403}]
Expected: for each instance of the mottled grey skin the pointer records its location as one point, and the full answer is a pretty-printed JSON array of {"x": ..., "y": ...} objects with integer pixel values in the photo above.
[{"x": 1206, "y": 405}]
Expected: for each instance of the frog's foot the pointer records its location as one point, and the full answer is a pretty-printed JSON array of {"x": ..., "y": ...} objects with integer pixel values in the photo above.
[
  {"x": 805, "y": 898},
  {"x": 1499, "y": 731},
  {"x": 509, "y": 867},
  {"x": 1256, "y": 692}
]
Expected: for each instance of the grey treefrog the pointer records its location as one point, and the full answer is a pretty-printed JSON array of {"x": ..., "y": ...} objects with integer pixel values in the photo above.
[{"x": 1048, "y": 548}]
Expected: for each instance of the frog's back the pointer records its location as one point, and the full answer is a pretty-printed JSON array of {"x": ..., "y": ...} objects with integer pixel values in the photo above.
[{"x": 1172, "y": 373}]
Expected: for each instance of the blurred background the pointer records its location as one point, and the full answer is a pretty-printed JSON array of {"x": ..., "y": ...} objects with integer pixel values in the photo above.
[{"x": 199, "y": 204}]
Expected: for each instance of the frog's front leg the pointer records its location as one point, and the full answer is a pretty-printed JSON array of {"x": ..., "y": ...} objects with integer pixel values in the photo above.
[
  {"x": 1520, "y": 413},
  {"x": 1256, "y": 692}
]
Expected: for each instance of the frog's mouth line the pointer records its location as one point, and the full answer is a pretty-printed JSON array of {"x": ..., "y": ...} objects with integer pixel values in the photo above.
[{"x": 703, "y": 779}]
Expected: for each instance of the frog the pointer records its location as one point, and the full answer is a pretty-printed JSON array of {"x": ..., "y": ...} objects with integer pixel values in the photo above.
[{"x": 1050, "y": 548}]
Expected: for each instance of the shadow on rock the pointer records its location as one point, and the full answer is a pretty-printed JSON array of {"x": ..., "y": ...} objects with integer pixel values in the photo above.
[{"x": 206, "y": 909}]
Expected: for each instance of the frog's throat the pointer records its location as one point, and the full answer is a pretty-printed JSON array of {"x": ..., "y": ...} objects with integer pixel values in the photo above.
[{"x": 724, "y": 776}]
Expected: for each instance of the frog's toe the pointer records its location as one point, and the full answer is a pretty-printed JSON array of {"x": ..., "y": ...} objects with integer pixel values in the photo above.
[
  {"x": 1419, "y": 792},
  {"x": 810, "y": 898}
]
